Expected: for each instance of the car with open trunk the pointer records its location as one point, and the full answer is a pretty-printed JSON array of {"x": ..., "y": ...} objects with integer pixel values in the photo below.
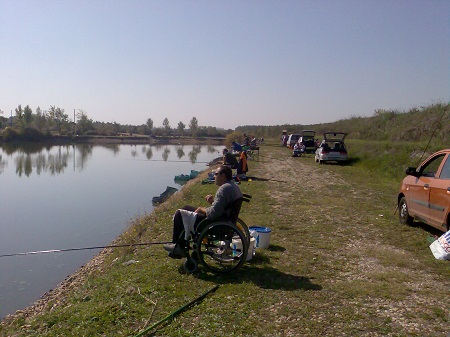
[{"x": 332, "y": 148}]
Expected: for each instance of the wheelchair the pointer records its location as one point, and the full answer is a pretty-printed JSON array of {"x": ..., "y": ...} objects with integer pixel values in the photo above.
[{"x": 220, "y": 245}]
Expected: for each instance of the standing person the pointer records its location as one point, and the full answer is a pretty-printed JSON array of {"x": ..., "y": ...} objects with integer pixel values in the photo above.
[
  {"x": 189, "y": 217},
  {"x": 242, "y": 167},
  {"x": 229, "y": 159},
  {"x": 246, "y": 140}
]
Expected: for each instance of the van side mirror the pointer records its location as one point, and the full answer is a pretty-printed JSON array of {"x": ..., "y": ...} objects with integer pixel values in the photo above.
[{"x": 411, "y": 171}]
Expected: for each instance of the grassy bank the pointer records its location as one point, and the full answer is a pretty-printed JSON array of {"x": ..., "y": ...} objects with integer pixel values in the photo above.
[{"x": 339, "y": 264}]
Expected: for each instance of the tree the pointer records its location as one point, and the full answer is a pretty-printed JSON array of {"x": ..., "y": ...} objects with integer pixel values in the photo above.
[
  {"x": 27, "y": 115},
  {"x": 84, "y": 123},
  {"x": 193, "y": 126},
  {"x": 181, "y": 127},
  {"x": 166, "y": 125},
  {"x": 58, "y": 117},
  {"x": 19, "y": 120},
  {"x": 40, "y": 120},
  {"x": 150, "y": 124}
]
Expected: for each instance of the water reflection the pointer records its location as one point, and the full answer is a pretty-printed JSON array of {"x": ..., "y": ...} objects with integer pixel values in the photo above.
[
  {"x": 3, "y": 164},
  {"x": 165, "y": 154},
  {"x": 39, "y": 158},
  {"x": 180, "y": 152},
  {"x": 76, "y": 196},
  {"x": 196, "y": 150}
]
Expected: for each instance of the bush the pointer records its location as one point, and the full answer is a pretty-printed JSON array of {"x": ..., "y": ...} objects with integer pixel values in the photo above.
[
  {"x": 31, "y": 134},
  {"x": 234, "y": 137},
  {"x": 9, "y": 134}
]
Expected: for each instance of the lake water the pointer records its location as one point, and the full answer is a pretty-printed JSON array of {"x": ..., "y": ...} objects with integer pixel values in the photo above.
[{"x": 60, "y": 197}]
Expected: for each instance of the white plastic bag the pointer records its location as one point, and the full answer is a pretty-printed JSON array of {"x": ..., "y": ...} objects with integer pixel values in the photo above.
[{"x": 441, "y": 247}]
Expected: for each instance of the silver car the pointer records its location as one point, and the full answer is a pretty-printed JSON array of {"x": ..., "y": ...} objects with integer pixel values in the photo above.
[{"x": 332, "y": 148}]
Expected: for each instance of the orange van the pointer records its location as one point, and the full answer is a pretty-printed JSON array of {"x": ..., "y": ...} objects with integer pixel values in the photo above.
[{"x": 425, "y": 192}]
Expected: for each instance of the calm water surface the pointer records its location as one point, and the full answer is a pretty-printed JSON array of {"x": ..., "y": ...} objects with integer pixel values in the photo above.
[{"x": 75, "y": 196}]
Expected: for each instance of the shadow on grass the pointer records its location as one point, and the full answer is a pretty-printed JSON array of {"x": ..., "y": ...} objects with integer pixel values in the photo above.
[
  {"x": 350, "y": 162},
  {"x": 276, "y": 248},
  {"x": 263, "y": 179},
  {"x": 263, "y": 277},
  {"x": 257, "y": 272},
  {"x": 429, "y": 229}
]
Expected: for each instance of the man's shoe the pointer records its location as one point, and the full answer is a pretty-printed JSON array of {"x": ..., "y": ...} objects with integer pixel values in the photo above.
[
  {"x": 178, "y": 253},
  {"x": 169, "y": 247}
]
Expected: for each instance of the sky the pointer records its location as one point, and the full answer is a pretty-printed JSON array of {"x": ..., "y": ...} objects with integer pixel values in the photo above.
[{"x": 227, "y": 63}]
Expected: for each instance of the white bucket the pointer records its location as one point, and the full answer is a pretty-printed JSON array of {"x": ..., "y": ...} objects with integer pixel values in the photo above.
[
  {"x": 237, "y": 245},
  {"x": 263, "y": 237}
]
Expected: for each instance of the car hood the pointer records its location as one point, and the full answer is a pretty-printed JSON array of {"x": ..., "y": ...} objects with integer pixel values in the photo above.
[{"x": 334, "y": 136}]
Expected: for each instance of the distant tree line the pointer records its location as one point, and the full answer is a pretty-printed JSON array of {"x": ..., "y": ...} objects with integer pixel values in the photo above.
[
  {"x": 26, "y": 125},
  {"x": 417, "y": 124}
]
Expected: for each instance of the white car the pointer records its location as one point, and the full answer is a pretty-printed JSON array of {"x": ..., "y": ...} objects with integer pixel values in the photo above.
[
  {"x": 292, "y": 139},
  {"x": 332, "y": 148}
]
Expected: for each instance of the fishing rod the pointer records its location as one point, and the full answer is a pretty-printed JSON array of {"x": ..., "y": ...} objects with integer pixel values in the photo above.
[
  {"x": 83, "y": 248},
  {"x": 173, "y": 161},
  {"x": 432, "y": 135}
]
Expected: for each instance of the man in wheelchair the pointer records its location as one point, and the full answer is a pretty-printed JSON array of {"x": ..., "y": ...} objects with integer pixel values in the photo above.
[{"x": 185, "y": 220}]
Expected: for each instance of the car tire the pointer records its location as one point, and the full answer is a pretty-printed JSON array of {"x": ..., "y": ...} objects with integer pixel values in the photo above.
[{"x": 403, "y": 213}]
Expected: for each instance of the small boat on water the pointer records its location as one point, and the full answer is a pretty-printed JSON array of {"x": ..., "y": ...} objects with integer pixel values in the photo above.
[
  {"x": 164, "y": 195},
  {"x": 194, "y": 174},
  {"x": 183, "y": 177},
  {"x": 187, "y": 177}
]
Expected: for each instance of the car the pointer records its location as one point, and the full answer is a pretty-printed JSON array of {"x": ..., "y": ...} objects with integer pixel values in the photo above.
[
  {"x": 307, "y": 139},
  {"x": 425, "y": 192},
  {"x": 332, "y": 148},
  {"x": 292, "y": 139}
]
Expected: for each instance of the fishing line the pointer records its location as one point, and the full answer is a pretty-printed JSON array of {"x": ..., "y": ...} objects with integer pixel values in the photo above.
[{"x": 83, "y": 248}]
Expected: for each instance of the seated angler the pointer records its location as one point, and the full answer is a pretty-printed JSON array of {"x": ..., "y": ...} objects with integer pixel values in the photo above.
[
  {"x": 229, "y": 159},
  {"x": 189, "y": 217}
]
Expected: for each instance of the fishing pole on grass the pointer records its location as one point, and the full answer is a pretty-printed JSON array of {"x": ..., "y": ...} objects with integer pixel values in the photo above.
[
  {"x": 82, "y": 248},
  {"x": 171, "y": 315}
]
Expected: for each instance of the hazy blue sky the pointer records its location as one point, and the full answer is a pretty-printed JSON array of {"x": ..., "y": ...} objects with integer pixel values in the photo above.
[{"x": 228, "y": 63}]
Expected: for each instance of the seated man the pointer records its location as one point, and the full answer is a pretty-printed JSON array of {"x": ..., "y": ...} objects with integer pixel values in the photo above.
[
  {"x": 229, "y": 159},
  {"x": 227, "y": 193}
]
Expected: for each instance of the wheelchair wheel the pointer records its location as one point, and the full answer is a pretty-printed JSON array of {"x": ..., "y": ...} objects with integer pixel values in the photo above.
[
  {"x": 244, "y": 228},
  {"x": 222, "y": 247}
]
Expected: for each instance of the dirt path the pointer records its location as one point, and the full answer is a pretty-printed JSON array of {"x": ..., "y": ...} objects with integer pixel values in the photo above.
[{"x": 348, "y": 229}]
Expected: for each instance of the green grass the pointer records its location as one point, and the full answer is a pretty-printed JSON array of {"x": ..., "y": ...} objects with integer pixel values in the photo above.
[{"x": 339, "y": 264}]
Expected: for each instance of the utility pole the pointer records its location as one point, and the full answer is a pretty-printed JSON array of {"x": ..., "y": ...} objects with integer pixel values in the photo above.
[{"x": 74, "y": 124}]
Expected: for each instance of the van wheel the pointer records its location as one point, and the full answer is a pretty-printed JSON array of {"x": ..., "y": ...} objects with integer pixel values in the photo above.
[{"x": 403, "y": 214}]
